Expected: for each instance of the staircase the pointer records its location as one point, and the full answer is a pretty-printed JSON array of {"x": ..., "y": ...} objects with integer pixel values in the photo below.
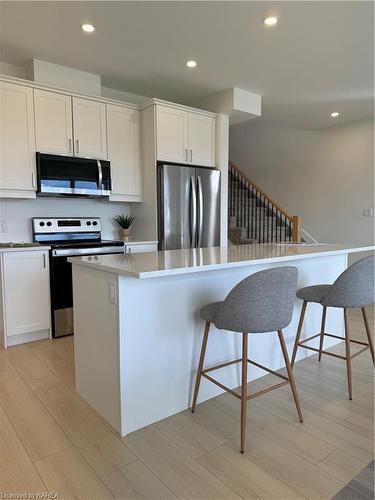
[{"x": 254, "y": 217}]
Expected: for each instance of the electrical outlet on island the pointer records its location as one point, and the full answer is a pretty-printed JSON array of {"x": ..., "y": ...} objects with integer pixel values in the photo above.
[
  {"x": 368, "y": 212},
  {"x": 3, "y": 226}
]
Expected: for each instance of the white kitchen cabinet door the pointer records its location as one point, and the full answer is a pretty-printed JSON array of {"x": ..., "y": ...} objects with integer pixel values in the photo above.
[
  {"x": 201, "y": 139},
  {"x": 17, "y": 153},
  {"x": 26, "y": 292},
  {"x": 124, "y": 151},
  {"x": 171, "y": 134},
  {"x": 53, "y": 122},
  {"x": 89, "y": 128}
]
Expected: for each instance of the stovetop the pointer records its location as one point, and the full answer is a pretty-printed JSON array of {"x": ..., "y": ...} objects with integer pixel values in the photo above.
[{"x": 73, "y": 236}]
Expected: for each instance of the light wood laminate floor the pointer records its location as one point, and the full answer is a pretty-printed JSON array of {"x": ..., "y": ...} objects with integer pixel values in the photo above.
[{"x": 51, "y": 441}]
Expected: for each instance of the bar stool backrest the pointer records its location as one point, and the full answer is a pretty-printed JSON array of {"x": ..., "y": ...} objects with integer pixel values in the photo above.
[
  {"x": 354, "y": 287},
  {"x": 263, "y": 302}
]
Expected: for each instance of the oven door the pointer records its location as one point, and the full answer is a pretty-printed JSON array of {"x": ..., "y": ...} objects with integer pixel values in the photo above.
[{"x": 68, "y": 175}]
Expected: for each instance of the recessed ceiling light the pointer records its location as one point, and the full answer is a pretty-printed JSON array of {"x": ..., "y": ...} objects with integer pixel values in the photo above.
[
  {"x": 335, "y": 114},
  {"x": 89, "y": 28},
  {"x": 271, "y": 21},
  {"x": 191, "y": 64}
]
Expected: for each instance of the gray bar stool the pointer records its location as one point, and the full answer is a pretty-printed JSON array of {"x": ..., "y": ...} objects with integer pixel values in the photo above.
[
  {"x": 353, "y": 288},
  {"x": 261, "y": 303}
]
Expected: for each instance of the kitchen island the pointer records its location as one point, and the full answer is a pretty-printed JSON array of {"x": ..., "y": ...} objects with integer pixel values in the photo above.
[{"x": 138, "y": 331}]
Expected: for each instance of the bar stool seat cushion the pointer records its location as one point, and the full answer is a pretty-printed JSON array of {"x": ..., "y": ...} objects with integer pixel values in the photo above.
[
  {"x": 315, "y": 293},
  {"x": 209, "y": 312}
]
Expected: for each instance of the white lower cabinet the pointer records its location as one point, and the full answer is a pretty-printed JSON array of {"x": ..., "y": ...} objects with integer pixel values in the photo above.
[{"x": 25, "y": 296}]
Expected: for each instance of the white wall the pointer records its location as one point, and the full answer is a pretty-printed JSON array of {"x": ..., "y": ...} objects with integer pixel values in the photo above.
[
  {"x": 12, "y": 70},
  {"x": 326, "y": 176},
  {"x": 18, "y": 213}
]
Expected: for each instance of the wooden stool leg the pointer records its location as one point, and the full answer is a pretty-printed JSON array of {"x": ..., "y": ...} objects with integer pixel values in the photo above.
[
  {"x": 290, "y": 374},
  {"x": 298, "y": 335},
  {"x": 323, "y": 325},
  {"x": 200, "y": 366},
  {"x": 368, "y": 332},
  {"x": 244, "y": 390},
  {"x": 348, "y": 360}
]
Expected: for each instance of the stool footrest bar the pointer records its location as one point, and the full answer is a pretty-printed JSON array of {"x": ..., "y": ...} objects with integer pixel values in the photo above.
[
  {"x": 268, "y": 389},
  {"x": 303, "y": 342},
  {"x": 359, "y": 352},
  {"x": 222, "y": 365},
  {"x": 323, "y": 352},
  {"x": 222, "y": 386},
  {"x": 268, "y": 370}
]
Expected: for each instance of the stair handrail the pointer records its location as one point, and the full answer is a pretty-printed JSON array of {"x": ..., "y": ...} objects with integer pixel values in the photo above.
[{"x": 295, "y": 220}]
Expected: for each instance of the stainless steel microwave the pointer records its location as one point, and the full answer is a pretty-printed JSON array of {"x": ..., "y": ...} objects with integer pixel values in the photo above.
[{"x": 72, "y": 176}]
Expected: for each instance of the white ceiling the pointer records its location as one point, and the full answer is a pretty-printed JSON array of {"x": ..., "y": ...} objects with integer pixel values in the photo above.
[{"x": 318, "y": 59}]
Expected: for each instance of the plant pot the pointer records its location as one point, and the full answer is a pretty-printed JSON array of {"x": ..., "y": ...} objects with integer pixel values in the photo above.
[{"x": 125, "y": 233}]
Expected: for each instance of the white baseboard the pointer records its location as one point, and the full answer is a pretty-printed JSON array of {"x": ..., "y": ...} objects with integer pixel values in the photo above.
[{"x": 27, "y": 337}]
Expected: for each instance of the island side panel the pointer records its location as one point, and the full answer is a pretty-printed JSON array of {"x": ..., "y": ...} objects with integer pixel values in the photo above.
[
  {"x": 96, "y": 341},
  {"x": 161, "y": 333}
]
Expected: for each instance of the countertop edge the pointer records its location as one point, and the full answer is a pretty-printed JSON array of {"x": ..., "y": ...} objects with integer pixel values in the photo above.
[
  {"x": 216, "y": 267},
  {"x": 25, "y": 249}
]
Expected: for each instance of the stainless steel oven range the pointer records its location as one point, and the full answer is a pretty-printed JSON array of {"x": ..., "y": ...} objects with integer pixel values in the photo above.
[{"x": 69, "y": 236}]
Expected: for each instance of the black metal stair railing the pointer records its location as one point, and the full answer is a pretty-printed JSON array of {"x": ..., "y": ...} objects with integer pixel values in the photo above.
[{"x": 256, "y": 214}]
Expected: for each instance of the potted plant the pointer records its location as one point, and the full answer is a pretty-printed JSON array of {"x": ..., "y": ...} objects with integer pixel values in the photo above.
[{"x": 125, "y": 222}]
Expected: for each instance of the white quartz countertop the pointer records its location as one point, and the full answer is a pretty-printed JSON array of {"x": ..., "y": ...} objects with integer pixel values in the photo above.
[
  {"x": 175, "y": 262},
  {"x": 25, "y": 248}
]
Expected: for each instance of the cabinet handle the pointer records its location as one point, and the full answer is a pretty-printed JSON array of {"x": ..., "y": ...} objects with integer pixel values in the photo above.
[
  {"x": 77, "y": 146},
  {"x": 33, "y": 179},
  {"x": 70, "y": 145},
  {"x": 186, "y": 154},
  {"x": 44, "y": 261},
  {"x": 191, "y": 156}
]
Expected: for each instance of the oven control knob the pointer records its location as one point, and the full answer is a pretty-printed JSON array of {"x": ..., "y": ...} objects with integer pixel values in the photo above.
[
  {"x": 88, "y": 223},
  {"x": 49, "y": 223},
  {"x": 41, "y": 224},
  {"x": 94, "y": 223}
]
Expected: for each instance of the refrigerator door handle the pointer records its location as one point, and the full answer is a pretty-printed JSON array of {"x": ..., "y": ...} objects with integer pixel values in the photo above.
[
  {"x": 193, "y": 212},
  {"x": 200, "y": 211}
]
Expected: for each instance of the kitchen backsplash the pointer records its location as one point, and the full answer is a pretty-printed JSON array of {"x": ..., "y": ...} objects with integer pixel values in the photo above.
[{"x": 17, "y": 214}]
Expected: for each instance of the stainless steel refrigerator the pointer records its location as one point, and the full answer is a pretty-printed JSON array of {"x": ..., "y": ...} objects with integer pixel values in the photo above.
[{"x": 188, "y": 207}]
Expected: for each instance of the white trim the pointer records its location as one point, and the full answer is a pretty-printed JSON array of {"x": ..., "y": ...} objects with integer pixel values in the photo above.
[
  {"x": 72, "y": 93},
  {"x": 154, "y": 101},
  {"x": 17, "y": 193},
  {"x": 129, "y": 198},
  {"x": 27, "y": 337}
]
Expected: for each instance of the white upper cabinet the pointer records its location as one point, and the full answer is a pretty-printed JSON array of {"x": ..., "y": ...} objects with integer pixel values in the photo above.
[
  {"x": 17, "y": 154},
  {"x": 53, "y": 122},
  {"x": 26, "y": 292},
  {"x": 171, "y": 134},
  {"x": 184, "y": 136},
  {"x": 124, "y": 153},
  {"x": 69, "y": 125},
  {"x": 89, "y": 127},
  {"x": 201, "y": 139}
]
